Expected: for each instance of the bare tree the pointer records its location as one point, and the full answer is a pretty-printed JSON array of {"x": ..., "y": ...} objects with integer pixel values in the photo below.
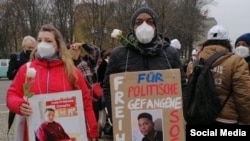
[
  {"x": 95, "y": 14},
  {"x": 22, "y": 18},
  {"x": 94, "y": 20},
  {"x": 166, "y": 12},
  {"x": 30, "y": 15},
  {"x": 124, "y": 9},
  {"x": 189, "y": 23},
  {"x": 4, "y": 28},
  {"x": 63, "y": 18},
  {"x": 181, "y": 19}
]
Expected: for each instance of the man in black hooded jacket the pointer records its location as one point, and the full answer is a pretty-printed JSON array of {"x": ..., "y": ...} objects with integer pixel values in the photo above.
[
  {"x": 152, "y": 53},
  {"x": 20, "y": 58}
]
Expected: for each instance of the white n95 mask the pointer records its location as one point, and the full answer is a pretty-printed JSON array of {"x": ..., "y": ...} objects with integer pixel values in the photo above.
[
  {"x": 242, "y": 51},
  {"x": 45, "y": 50},
  {"x": 144, "y": 33}
]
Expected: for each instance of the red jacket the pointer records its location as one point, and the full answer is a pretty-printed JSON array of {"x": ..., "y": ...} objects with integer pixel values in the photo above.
[
  {"x": 50, "y": 77},
  {"x": 51, "y": 131}
]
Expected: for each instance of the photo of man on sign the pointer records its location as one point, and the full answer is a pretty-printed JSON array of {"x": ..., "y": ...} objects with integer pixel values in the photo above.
[
  {"x": 147, "y": 128},
  {"x": 147, "y": 124},
  {"x": 50, "y": 129}
]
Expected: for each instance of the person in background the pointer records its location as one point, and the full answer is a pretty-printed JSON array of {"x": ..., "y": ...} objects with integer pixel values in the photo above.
[
  {"x": 198, "y": 49},
  {"x": 76, "y": 53},
  {"x": 146, "y": 126},
  {"x": 88, "y": 67},
  {"x": 102, "y": 67},
  {"x": 50, "y": 130},
  {"x": 20, "y": 58},
  {"x": 52, "y": 62},
  {"x": 88, "y": 53},
  {"x": 195, "y": 55},
  {"x": 176, "y": 44},
  {"x": 190, "y": 65},
  {"x": 242, "y": 46},
  {"x": 231, "y": 76},
  {"x": 152, "y": 53}
]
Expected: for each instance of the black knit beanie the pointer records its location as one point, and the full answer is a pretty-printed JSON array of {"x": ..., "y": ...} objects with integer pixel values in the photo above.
[
  {"x": 147, "y": 10},
  {"x": 245, "y": 37}
]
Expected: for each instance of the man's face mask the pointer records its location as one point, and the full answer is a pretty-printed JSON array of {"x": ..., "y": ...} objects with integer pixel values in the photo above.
[
  {"x": 45, "y": 50},
  {"x": 28, "y": 52},
  {"x": 242, "y": 51},
  {"x": 144, "y": 33}
]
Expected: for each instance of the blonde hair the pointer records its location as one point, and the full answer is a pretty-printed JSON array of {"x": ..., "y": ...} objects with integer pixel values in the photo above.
[{"x": 63, "y": 54}]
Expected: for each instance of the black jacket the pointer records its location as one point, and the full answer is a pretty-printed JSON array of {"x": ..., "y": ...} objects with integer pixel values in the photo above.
[
  {"x": 101, "y": 70},
  {"x": 166, "y": 57},
  {"x": 248, "y": 61},
  {"x": 158, "y": 137},
  {"x": 16, "y": 61}
]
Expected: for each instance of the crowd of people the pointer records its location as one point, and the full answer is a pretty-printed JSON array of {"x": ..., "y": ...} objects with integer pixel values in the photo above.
[{"x": 83, "y": 66}]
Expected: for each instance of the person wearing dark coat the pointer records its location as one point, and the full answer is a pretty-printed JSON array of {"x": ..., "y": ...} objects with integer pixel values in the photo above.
[
  {"x": 231, "y": 75},
  {"x": 152, "y": 53},
  {"x": 20, "y": 58},
  {"x": 242, "y": 46},
  {"x": 102, "y": 67}
]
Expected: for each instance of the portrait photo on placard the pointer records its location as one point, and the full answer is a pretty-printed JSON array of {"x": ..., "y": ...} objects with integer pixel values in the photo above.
[{"x": 147, "y": 124}]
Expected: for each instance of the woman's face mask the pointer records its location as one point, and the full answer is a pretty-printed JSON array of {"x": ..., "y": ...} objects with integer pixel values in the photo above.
[
  {"x": 45, "y": 50},
  {"x": 144, "y": 33},
  {"x": 242, "y": 51}
]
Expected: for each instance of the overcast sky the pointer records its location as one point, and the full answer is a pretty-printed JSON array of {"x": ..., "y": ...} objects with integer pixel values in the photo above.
[{"x": 232, "y": 14}]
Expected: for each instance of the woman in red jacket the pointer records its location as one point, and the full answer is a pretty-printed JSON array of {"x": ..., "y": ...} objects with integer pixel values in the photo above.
[{"x": 55, "y": 72}]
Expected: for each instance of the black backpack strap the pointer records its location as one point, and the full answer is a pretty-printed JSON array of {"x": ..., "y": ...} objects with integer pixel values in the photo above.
[
  {"x": 214, "y": 57},
  {"x": 210, "y": 61}
]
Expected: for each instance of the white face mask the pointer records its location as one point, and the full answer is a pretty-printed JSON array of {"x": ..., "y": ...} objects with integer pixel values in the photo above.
[
  {"x": 144, "y": 33},
  {"x": 242, "y": 51},
  {"x": 45, "y": 50}
]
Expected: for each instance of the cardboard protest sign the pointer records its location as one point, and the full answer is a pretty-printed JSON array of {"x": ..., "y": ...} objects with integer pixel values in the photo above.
[
  {"x": 58, "y": 116},
  {"x": 157, "y": 93}
]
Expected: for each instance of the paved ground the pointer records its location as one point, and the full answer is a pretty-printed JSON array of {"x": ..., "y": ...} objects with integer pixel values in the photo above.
[
  {"x": 4, "y": 83},
  {"x": 4, "y": 127}
]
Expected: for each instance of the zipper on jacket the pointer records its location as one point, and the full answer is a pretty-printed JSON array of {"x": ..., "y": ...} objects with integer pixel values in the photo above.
[{"x": 48, "y": 76}]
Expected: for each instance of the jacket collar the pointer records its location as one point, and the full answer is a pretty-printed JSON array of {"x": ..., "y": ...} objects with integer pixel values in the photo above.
[
  {"x": 208, "y": 51},
  {"x": 47, "y": 63}
]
